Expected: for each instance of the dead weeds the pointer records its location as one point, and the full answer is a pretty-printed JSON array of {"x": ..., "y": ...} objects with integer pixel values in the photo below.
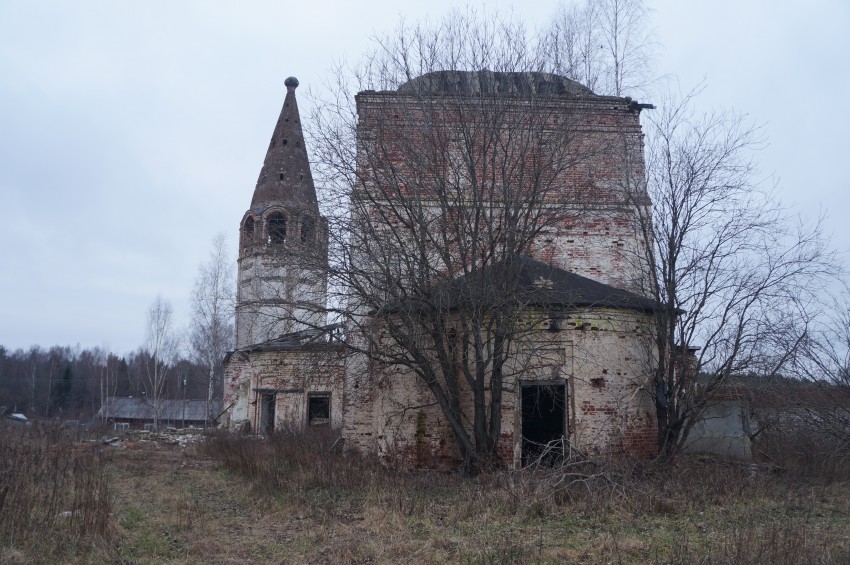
[{"x": 173, "y": 504}]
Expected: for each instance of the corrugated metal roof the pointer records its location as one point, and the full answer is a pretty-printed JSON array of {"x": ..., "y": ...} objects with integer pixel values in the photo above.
[
  {"x": 324, "y": 338},
  {"x": 129, "y": 408}
]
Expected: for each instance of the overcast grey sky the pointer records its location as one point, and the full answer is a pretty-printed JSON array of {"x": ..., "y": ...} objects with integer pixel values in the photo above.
[{"x": 132, "y": 132}]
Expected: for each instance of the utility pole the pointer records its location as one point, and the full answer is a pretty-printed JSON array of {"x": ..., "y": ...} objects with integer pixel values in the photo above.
[{"x": 185, "y": 380}]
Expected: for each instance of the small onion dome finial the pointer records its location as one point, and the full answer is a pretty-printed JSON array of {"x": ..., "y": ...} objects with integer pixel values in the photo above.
[{"x": 291, "y": 82}]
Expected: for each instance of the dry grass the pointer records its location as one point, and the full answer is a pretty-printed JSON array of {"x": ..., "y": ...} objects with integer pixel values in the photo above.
[
  {"x": 297, "y": 499},
  {"x": 54, "y": 499}
]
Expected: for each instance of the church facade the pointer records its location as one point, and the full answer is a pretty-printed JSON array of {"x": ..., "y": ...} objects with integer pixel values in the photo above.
[{"x": 579, "y": 377}]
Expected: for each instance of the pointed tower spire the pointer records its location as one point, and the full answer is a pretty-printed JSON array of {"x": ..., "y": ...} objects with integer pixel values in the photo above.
[
  {"x": 283, "y": 243},
  {"x": 285, "y": 178}
]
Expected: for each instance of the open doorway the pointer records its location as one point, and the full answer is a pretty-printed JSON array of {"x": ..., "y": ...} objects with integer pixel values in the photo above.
[
  {"x": 544, "y": 417},
  {"x": 267, "y": 405}
]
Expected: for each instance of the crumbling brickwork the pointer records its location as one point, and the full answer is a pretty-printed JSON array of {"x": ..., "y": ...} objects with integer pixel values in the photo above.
[
  {"x": 600, "y": 356},
  {"x": 593, "y": 361},
  {"x": 602, "y": 179},
  {"x": 289, "y": 375}
]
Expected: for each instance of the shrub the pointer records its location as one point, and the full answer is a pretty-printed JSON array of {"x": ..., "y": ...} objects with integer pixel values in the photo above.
[
  {"x": 803, "y": 450},
  {"x": 290, "y": 460}
]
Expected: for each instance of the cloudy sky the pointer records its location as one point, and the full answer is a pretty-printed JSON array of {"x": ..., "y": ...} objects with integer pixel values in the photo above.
[{"x": 132, "y": 132}]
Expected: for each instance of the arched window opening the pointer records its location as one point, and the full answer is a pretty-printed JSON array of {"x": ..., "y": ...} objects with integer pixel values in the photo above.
[
  {"x": 277, "y": 228},
  {"x": 248, "y": 232},
  {"x": 307, "y": 228}
]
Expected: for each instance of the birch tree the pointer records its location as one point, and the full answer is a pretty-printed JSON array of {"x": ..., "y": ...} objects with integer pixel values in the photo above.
[
  {"x": 211, "y": 330},
  {"x": 162, "y": 344},
  {"x": 607, "y": 45}
]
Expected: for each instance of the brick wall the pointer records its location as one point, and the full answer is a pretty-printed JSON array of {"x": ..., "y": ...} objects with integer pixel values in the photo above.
[
  {"x": 591, "y": 168},
  {"x": 406, "y": 147},
  {"x": 601, "y": 356},
  {"x": 292, "y": 374}
]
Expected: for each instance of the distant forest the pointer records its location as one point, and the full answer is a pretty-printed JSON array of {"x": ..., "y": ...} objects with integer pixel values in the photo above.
[{"x": 70, "y": 383}]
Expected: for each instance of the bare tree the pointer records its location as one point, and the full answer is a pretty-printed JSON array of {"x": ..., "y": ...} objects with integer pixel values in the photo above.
[
  {"x": 108, "y": 368},
  {"x": 162, "y": 346},
  {"x": 452, "y": 183},
  {"x": 211, "y": 330},
  {"x": 604, "y": 44},
  {"x": 575, "y": 43},
  {"x": 819, "y": 404},
  {"x": 735, "y": 271},
  {"x": 627, "y": 44}
]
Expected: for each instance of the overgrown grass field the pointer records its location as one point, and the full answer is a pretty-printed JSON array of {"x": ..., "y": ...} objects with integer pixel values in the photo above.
[{"x": 295, "y": 499}]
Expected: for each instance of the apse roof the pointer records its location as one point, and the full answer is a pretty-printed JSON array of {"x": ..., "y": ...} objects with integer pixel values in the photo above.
[{"x": 536, "y": 284}]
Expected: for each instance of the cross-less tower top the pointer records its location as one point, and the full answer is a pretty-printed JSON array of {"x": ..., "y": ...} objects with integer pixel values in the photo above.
[{"x": 285, "y": 178}]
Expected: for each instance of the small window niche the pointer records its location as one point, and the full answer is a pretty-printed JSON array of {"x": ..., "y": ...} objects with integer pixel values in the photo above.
[
  {"x": 248, "y": 232},
  {"x": 277, "y": 228},
  {"x": 319, "y": 409},
  {"x": 308, "y": 228}
]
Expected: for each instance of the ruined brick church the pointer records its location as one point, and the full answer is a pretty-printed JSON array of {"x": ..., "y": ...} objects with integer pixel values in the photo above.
[{"x": 585, "y": 377}]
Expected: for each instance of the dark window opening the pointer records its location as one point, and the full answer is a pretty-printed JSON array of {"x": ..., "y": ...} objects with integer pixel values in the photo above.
[
  {"x": 285, "y": 141},
  {"x": 280, "y": 177},
  {"x": 319, "y": 410},
  {"x": 297, "y": 144},
  {"x": 307, "y": 228},
  {"x": 267, "y": 406},
  {"x": 248, "y": 232},
  {"x": 544, "y": 417},
  {"x": 277, "y": 228}
]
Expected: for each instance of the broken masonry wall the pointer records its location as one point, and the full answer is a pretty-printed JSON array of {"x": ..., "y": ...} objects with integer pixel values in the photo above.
[
  {"x": 600, "y": 356},
  {"x": 603, "y": 184},
  {"x": 292, "y": 375},
  {"x": 604, "y": 360},
  {"x": 236, "y": 394},
  {"x": 280, "y": 291},
  {"x": 612, "y": 400}
]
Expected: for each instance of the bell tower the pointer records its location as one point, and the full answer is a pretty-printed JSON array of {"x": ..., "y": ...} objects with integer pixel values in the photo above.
[{"x": 283, "y": 241}]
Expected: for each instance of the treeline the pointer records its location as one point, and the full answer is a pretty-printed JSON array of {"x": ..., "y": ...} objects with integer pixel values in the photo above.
[{"x": 70, "y": 383}]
